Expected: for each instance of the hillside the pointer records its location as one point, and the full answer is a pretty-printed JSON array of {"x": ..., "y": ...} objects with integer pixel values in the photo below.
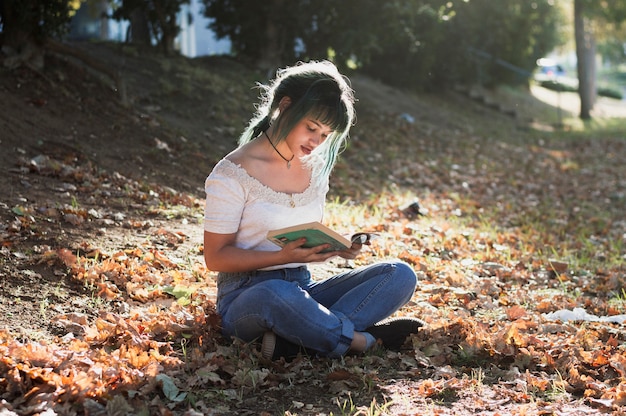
[{"x": 101, "y": 259}]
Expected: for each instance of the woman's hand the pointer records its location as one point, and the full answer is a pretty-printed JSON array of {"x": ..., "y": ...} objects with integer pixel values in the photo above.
[
  {"x": 293, "y": 252},
  {"x": 350, "y": 253}
]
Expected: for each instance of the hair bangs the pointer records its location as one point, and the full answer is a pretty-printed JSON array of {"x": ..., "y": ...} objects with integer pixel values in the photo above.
[
  {"x": 326, "y": 105},
  {"x": 334, "y": 117}
]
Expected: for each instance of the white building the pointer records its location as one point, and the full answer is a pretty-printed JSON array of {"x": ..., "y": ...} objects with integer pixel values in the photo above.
[{"x": 195, "y": 38}]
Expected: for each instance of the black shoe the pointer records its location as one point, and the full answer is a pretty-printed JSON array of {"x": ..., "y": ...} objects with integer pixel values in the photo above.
[
  {"x": 394, "y": 332},
  {"x": 274, "y": 348}
]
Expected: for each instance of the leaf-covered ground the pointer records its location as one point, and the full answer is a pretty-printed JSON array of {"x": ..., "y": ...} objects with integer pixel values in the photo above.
[{"x": 106, "y": 307}]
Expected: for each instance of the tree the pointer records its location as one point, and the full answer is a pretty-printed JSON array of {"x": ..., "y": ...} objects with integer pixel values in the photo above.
[
  {"x": 431, "y": 44},
  {"x": 408, "y": 48},
  {"x": 151, "y": 19},
  {"x": 425, "y": 44},
  {"x": 611, "y": 48},
  {"x": 348, "y": 31},
  {"x": 27, "y": 24},
  {"x": 585, "y": 13},
  {"x": 504, "y": 41},
  {"x": 264, "y": 32},
  {"x": 585, "y": 56},
  {"x": 420, "y": 44}
]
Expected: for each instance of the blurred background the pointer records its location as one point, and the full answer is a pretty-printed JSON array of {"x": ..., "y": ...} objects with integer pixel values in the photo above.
[{"x": 422, "y": 45}]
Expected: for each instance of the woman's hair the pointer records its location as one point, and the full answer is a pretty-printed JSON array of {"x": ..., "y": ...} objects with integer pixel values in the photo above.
[{"x": 316, "y": 90}]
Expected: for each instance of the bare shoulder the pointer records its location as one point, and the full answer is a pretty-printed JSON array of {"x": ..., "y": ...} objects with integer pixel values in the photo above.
[{"x": 250, "y": 157}]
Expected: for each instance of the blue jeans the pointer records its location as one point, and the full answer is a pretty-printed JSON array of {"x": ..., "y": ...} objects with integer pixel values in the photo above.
[{"x": 321, "y": 316}]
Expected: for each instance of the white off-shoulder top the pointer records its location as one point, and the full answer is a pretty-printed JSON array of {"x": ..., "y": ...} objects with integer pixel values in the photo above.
[{"x": 238, "y": 203}]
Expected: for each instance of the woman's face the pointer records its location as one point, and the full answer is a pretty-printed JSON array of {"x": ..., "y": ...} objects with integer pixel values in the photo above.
[{"x": 307, "y": 135}]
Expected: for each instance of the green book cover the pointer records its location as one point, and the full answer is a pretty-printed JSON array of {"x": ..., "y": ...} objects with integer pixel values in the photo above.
[{"x": 315, "y": 233}]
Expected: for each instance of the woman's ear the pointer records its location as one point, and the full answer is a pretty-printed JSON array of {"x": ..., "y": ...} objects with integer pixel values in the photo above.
[{"x": 284, "y": 103}]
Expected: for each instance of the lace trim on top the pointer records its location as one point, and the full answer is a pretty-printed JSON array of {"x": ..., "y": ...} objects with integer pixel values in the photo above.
[{"x": 264, "y": 192}]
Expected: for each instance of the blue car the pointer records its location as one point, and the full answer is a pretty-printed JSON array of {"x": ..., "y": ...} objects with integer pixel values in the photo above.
[{"x": 548, "y": 70}]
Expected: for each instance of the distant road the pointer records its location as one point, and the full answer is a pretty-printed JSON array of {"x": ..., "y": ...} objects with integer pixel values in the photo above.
[{"x": 570, "y": 103}]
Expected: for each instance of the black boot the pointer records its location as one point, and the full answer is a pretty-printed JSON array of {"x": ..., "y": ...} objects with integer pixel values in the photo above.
[
  {"x": 393, "y": 332},
  {"x": 274, "y": 347}
]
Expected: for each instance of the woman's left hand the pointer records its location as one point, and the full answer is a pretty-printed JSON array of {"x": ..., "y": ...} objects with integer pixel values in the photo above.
[{"x": 352, "y": 252}]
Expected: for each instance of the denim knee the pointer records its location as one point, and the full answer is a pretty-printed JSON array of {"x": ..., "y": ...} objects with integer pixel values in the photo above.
[
  {"x": 260, "y": 306},
  {"x": 405, "y": 278}
]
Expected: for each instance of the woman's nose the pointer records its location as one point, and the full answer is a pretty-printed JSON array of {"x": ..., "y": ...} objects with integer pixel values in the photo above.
[{"x": 319, "y": 138}]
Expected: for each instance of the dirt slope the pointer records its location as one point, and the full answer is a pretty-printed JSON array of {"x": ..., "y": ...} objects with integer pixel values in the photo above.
[
  {"x": 174, "y": 118},
  {"x": 84, "y": 172}
]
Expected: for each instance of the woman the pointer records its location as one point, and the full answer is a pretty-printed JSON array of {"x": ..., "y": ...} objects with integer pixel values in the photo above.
[{"x": 276, "y": 178}]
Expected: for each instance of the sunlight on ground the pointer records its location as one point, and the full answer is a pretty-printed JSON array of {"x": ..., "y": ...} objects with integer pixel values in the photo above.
[{"x": 569, "y": 103}]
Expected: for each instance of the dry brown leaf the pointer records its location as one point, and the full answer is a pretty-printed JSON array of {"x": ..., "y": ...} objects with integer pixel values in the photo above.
[
  {"x": 338, "y": 375},
  {"x": 66, "y": 257},
  {"x": 515, "y": 312}
]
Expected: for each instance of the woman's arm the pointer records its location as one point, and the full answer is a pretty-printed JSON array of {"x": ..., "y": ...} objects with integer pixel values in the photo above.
[{"x": 220, "y": 254}]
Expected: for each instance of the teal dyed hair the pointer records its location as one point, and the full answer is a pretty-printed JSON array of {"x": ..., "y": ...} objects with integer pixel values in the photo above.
[{"x": 317, "y": 90}]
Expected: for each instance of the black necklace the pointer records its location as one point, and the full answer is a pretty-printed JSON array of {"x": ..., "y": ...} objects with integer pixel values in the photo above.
[{"x": 280, "y": 154}]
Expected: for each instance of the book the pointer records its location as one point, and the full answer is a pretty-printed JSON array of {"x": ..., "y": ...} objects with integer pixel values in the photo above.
[{"x": 316, "y": 234}]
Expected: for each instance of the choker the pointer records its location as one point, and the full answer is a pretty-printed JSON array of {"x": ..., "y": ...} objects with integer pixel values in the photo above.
[{"x": 280, "y": 154}]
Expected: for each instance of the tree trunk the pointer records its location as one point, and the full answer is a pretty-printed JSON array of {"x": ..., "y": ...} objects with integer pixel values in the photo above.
[
  {"x": 167, "y": 43},
  {"x": 273, "y": 45},
  {"x": 139, "y": 29},
  {"x": 168, "y": 27},
  {"x": 104, "y": 19},
  {"x": 585, "y": 55},
  {"x": 19, "y": 42}
]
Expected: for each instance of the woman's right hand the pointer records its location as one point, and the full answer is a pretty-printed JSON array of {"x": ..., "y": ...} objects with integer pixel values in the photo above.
[{"x": 295, "y": 253}]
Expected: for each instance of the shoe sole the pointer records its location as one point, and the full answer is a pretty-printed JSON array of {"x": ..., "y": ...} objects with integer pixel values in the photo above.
[
  {"x": 268, "y": 345},
  {"x": 418, "y": 322}
]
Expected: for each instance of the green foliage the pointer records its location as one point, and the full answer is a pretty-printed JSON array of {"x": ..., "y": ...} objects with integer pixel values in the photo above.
[
  {"x": 161, "y": 16},
  {"x": 610, "y": 93},
  {"x": 602, "y": 91},
  {"x": 259, "y": 30},
  {"x": 517, "y": 32},
  {"x": 558, "y": 86},
  {"x": 433, "y": 47},
  {"x": 409, "y": 43},
  {"x": 609, "y": 29},
  {"x": 419, "y": 44},
  {"x": 24, "y": 21},
  {"x": 612, "y": 49},
  {"x": 608, "y": 10}
]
